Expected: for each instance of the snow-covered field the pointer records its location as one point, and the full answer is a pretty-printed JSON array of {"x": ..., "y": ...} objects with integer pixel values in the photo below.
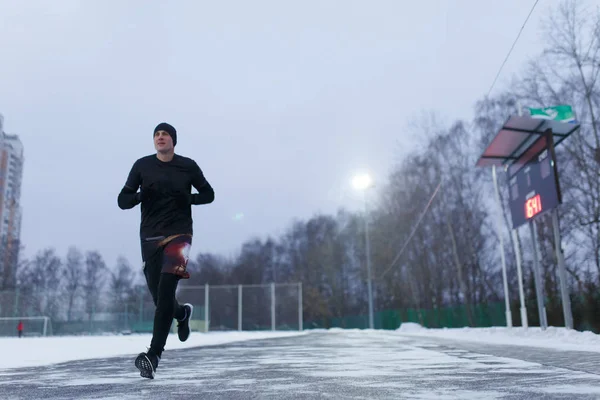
[
  {"x": 36, "y": 351},
  {"x": 29, "y": 352}
]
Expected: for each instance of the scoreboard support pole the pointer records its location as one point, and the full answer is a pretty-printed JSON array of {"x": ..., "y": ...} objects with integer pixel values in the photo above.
[
  {"x": 537, "y": 276},
  {"x": 524, "y": 321},
  {"x": 502, "y": 256},
  {"x": 560, "y": 257},
  {"x": 515, "y": 236},
  {"x": 562, "y": 273}
]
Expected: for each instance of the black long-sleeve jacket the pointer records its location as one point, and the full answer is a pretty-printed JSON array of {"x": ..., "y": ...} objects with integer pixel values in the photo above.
[{"x": 165, "y": 194}]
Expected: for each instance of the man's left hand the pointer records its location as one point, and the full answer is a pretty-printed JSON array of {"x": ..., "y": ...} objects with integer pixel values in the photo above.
[{"x": 183, "y": 199}]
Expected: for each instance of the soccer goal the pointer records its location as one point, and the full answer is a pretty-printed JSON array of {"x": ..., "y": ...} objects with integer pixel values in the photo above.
[{"x": 32, "y": 326}]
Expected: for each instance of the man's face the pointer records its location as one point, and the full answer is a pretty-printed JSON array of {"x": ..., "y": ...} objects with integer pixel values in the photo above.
[{"x": 163, "y": 143}]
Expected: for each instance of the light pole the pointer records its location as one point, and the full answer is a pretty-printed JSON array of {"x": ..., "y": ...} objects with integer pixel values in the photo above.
[{"x": 362, "y": 183}]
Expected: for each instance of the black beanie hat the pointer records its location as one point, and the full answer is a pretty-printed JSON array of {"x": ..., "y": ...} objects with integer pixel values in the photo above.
[{"x": 163, "y": 126}]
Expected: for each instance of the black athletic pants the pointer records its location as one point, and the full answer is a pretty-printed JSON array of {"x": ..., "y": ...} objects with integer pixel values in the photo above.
[{"x": 163, "y": 261}]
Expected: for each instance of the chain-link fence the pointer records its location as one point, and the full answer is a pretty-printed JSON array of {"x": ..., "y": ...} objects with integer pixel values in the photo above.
[
  {"x": 275, "y": 306},
  {"x": 229, "y": 307}
]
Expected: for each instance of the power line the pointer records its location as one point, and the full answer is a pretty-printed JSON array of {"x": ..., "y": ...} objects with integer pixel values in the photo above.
[
  {"x": 512, "y": 47},
  {"x": 413, "y": 232}
]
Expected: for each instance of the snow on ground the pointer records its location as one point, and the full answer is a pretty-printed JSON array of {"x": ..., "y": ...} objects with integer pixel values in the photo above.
[
  {"x": 36, "y": 351},
  {"x": 343, "y": 364},
  {"x": 556, "y": 338}
]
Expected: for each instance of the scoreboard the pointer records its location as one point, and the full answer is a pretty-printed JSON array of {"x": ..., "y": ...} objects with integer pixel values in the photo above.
[
  {"x": 525, "y": 148},
  {"x": 533, "y": 189}
]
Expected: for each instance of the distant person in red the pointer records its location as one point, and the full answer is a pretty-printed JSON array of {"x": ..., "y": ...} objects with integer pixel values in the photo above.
[{"x": 20, "y": 328}]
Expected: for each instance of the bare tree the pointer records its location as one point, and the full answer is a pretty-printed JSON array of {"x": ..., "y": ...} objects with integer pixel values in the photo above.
[
  {"x": 73, "y": 278},
  {"x": 567, "y": 73},
  {"x": 93, "y": 282},
  {"x": 121, "y": 285},
  {"x": 41, "y": 283}
]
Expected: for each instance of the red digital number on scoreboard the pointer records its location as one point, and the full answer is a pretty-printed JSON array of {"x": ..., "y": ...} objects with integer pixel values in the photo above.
[{"x": 533, "y": 206}]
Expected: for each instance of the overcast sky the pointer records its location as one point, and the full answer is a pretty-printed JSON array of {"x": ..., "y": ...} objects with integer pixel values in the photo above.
[{"x": 279, "y": 102}]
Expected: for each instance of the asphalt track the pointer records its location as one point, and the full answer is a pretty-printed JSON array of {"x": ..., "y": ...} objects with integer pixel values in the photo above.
[{"x": 331, "y": 365}]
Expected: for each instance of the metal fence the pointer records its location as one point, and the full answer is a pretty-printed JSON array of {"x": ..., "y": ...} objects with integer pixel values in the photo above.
[
  {"x": 229, "y": 307},
  {"x": 274, "y": 306},
  {"x": 247, "y": 307}
]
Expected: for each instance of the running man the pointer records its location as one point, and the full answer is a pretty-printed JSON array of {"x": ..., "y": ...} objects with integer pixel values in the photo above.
[{"x": 164, "y": 181}]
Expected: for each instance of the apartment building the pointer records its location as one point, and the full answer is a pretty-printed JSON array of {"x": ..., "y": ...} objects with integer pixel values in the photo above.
[{"x": 11, "y": 173}]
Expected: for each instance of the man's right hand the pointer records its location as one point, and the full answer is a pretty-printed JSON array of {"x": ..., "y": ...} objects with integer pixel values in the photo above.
[{"x": 146, "y": 194}]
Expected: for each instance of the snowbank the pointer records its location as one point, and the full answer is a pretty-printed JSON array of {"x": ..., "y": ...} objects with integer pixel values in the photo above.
[
  {"x": 410, "y": 327},
  {"x": 36, "y": 351},
  {"x": 553, "y": 337}
]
